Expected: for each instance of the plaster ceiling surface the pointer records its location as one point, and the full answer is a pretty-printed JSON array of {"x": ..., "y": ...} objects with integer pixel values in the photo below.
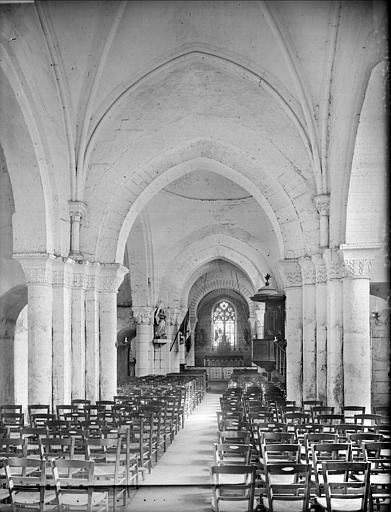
[
  {"x": 204, "y": 206},
  {"x": 116, "y": 95},
  {"x": 206, "y": 185}
]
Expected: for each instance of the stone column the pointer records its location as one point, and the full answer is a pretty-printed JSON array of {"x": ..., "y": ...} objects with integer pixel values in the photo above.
[
  {"x": 110, "y": 278},
  {"x": 38, "y": 271},
  {"x": 322, "y": 203},
  {"x": 143, "y": 316},
  {"x": 62, "y": 353},
  {"x": 357, "y": 360},
  {"x": 260, "y": 320},
  {"x": 78, "y": 333},
  {"x": 294, "y": 326},
  {"x": 92, "y": 332},
  {"x": 309, "y": 329},
  {"x": 335, "y": 269},
  {"x": 321, "y": 327}
]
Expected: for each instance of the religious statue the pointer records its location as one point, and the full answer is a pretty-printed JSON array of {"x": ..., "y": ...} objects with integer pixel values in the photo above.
[{"x": 160, "y": 323}]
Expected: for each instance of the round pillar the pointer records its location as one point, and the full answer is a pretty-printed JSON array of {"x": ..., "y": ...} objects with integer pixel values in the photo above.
[
  {"x": 321, "y": 328},
  {"x": 110, "y": 278},
  {"x": 294, "y": 329},
  {"x": 356, "y": 327},
  {"x": 143, "y": 316},
  {"x": 309, "y": 329},
  {"x": 62, "y": 364},
  {"x": 335, "y": 385},
  {"x": 92, "y": 334},
  {"x": 38, "y": 270}
]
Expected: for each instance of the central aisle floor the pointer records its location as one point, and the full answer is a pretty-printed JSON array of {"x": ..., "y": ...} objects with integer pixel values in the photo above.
[{"x": 180, "y": 481}]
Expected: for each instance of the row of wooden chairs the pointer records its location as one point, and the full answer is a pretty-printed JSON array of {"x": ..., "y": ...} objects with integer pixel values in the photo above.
[
  {"x": 101, "y": 459},
  {"x": 307, "y": 444}
]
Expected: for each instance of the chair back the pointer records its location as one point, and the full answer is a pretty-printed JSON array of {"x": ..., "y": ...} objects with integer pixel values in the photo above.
[
  {"x": 287, "y": 486},
  {"x": 233, "y": 454},
  {"x": 344, "y": 489},
  {"x": 233, "y": 483},
  {"x": 280, "y": 452}
]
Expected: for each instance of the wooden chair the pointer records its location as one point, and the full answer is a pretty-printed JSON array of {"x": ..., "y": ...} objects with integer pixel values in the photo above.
[
  {"x": 110, "y": 472},
  {"x": 343, "y": 430},
  {"x": 13, "y": 447},
  {"x": 320, "y": 409},
  {"x": 74, "y": 485},
  {"x": 233, "y": 436},
  {"x": 4, "y": 492},
  {"x": 4, "y": 431},
  {"x": 378, "y": 454},
  {"x": 315, "y": 438},
  {"x": 368, "y": 421},
  {"x": 233, "y": 454},
  {"x": 140, "y": 443},
  {"x": 58, "y": 447},
  {"x": 287, "y": 487},
  {"x": 329, "y": 421},
  {"x": 41, "y": 419},
  {"x": 292, "y": 419},
  {"x": 384, "y": 429},
  {"x": 5, "y": 408},
  {"x": 343, "y": 492},
  {"x": 62, "y": 409},
  {"x": 326, "y": 452},
  {"x": 288, "y": 409},
  {"x": 280, "y": 452},
  {"x": 32, "y": 436},
  {"x": 307, "y": 404},
  {"x": 350, "y": 410},
  {"x": 13, "y": 420},
  {"x": 276, "y": 437},
  {"x": 26, "y": 482},
  {"x": 37, "y": 409},
  {"x": 233, "y": 483},
  {"x": 80, "y": 403},
  {"x": 359, "y": 439}
]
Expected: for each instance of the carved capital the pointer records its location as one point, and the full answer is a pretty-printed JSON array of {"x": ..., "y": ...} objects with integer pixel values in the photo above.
[
  {"x": 322, "y": 203},
  {"x": 77, "y": 210},
  {"x": 320, "y": 268},
  {"x": 143, "y": 314},
  {"x": 62, "y": 272},
  {"x": 334, "y": 264},
  {"x": 307, "y": 267},
  {"x": 37, "y": 267},
  {"x": 291, "y": 273},
  {"x": 111, "y": 276},
  {"x": 358, "y": 260}
]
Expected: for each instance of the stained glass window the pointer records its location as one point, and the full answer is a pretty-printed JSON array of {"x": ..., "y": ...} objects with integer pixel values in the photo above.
[{"x": 223, "y": 324}]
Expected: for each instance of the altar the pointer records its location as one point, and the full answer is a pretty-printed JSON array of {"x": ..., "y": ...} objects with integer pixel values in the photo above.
[{"x": 231, "y": 359}]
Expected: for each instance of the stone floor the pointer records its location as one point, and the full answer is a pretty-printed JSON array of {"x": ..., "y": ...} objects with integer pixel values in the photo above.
[{"x": 180, "y": 481}]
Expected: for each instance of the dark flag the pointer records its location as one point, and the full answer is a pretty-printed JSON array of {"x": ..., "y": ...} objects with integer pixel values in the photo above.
[{"x": 184, "y": 333}]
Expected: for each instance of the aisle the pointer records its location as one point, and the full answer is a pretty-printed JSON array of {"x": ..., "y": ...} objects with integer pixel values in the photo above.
[{"x": 180, "y": 480}]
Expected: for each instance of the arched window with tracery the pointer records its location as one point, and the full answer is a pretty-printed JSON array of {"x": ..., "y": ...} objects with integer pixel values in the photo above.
[{"x": 224, "y": 324}]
